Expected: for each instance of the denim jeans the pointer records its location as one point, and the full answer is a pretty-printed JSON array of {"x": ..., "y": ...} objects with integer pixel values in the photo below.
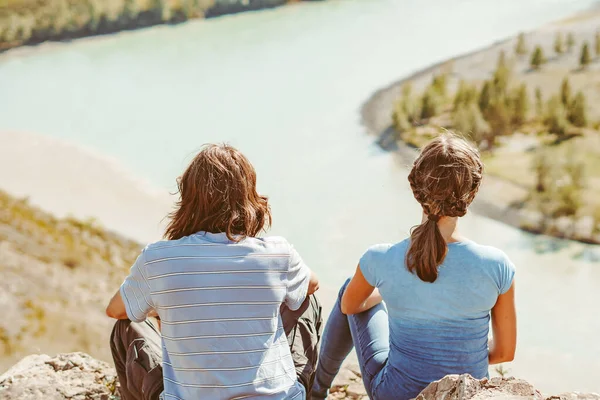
[{"x": 368, "y": 332}]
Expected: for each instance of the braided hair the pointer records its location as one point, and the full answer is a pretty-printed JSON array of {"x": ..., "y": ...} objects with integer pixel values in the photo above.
[{"x": 444, "y": 179}]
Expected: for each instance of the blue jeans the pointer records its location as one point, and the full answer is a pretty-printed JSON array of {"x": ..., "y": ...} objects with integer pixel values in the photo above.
[{"x": 368, "y": 331}]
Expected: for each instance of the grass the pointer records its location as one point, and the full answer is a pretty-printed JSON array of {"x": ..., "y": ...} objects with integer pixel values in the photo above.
[{"x": 56, "y": 274}]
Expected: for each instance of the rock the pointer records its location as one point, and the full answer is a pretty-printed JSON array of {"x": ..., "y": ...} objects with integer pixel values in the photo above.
[
  {"x": 74, "y": 376},
  {"x": 77, "y": 376}
]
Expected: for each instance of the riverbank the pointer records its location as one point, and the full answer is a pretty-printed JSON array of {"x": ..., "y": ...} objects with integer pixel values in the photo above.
[
  {"x": 506, "y": 194},
  {"x": 30, "y": 22}
]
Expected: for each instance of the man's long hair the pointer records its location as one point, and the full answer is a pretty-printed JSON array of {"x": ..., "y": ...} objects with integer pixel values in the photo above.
[{"x": 218, "y": 194}]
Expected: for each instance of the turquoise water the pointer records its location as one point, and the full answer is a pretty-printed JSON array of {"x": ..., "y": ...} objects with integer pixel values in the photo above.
[{"x": 285, "y": 86}]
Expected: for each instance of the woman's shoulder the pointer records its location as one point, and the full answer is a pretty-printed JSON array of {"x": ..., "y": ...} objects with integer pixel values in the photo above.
[
  {"x": 384, "y": 250},
  {"x": 482, "y": 252}
]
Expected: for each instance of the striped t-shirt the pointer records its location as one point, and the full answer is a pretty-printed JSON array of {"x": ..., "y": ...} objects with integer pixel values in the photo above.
[{"x": 219, "y": 301}]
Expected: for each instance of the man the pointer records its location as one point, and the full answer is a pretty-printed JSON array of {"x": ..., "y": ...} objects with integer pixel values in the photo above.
[{"x": 237, "y": 314}]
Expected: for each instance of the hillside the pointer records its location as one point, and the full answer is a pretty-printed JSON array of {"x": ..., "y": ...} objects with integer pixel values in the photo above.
[{"x": 57, "y": 275}]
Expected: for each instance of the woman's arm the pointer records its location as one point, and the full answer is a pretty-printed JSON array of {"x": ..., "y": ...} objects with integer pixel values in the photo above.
[
  {"x": 504, "y": 327},
  {"x": 359, "y": 295}
]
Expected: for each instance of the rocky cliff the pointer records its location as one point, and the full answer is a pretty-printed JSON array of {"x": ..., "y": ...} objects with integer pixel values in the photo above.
[{"x": 77, "y": 376}]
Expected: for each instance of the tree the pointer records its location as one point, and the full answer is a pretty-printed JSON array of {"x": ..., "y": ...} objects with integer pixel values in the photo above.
[
  {"x": 559, "y": 46},
  {"x": 498, "y": 116},
  {"x": 431, "y": 103},
  {"x": 400, "y": 119},
  {"x": 539, "y": 102},
  {"x": 465, "y": 94},
  {"x": 537, "y": 58},
  {"x": 541, "y": 167},
  {"x": 521, "y": 46},
  {"x": 439, "y": 85},
  {"x": 410, "y": 105},
  {"x": 131, "y": 10},
  {"x": 570, "y": 41},
  {"x": 565, "y": 92},
  {"x": 502, "y": 75},
  {"x": 577, "y": 111},
  {"x": 467, "y": 119},
  {"x": 520, "y": 103},
  {"x": 585, "y": 58},
  {"x": 597, "y": 43},
  {"x": 485, "y": 96},
  {"x": 556, "y": 117}
]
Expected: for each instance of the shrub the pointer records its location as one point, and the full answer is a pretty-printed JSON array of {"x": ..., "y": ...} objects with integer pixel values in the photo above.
[
  {"x": 537, "y": 58},
  {"x": 597, "y": 43}
]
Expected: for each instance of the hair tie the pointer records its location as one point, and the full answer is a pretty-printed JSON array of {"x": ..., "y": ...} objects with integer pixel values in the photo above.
[{"x": 433, "y": 217}]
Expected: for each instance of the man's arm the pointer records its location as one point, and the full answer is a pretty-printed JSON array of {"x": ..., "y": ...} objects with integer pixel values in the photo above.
[
  {"x": 116, "y": 307},
  {"x": 313, "y": 283},
  {"x": 133, "y": 300}
]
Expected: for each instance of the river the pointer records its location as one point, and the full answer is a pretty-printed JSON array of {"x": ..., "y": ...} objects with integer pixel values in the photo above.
[{"x": 285, "y": 86}]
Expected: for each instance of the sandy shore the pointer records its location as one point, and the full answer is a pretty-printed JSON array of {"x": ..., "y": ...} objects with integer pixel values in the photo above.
[
  {"x": 65, "y": 179},
  {"x": 497, "y": 197}
]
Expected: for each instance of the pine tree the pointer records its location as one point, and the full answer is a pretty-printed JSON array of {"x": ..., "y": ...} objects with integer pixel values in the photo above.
[
  {"x": 499, "y": 118},
  {"x": 400, "y": 119},
  {"x": 521, "y": 47},
  {"x": 539, "y": 102},
  {"x": 565, "y": 92},
  {"x": 537, "y": 58},
  {"x": 409, "y": 104},
  {"x": 485, "y": 97},
  {"x": 570, "y": 41},
  {"x": 438, "y": 84},
  {"x": 131, "y": 10},
  {"x": 430, "y": 103},
  {"x": 502, "y": 75},
  {"x": 520, "y": 103},
  {"x": 467, "y": 119},
  {"x": 556, "y": 117},
  {"x": 577, "y": 111},
  {"x": 585, "y": 58},
  {"x": 559, "y": 46}
]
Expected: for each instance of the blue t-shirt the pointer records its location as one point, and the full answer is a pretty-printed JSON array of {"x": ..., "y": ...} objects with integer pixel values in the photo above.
[{"x": 437, "y": 328}]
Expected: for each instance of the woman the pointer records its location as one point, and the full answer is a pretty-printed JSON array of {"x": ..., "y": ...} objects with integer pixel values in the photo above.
[
  {"x": 420, "y": 309},
  {"x": 237, "y": 317}
]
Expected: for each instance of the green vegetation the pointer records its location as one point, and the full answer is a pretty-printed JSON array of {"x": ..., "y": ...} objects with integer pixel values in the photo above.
[
  {"x": 54, "y": 270},
  {"x": 570, "y": 41},
  {"x": 597, "y": 43},
  {"x": 585, "y": 59},
  {"x": 559, "y": 45},
  {"x": 521, "y": 47},
  {"x": 537, "y": 58},
  {"x": 34, "y": 21},
  {"x": 545, "y": 143}
]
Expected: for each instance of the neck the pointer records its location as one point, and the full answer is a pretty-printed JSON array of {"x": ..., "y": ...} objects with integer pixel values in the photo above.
[{"x": 448, "y": 227}]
